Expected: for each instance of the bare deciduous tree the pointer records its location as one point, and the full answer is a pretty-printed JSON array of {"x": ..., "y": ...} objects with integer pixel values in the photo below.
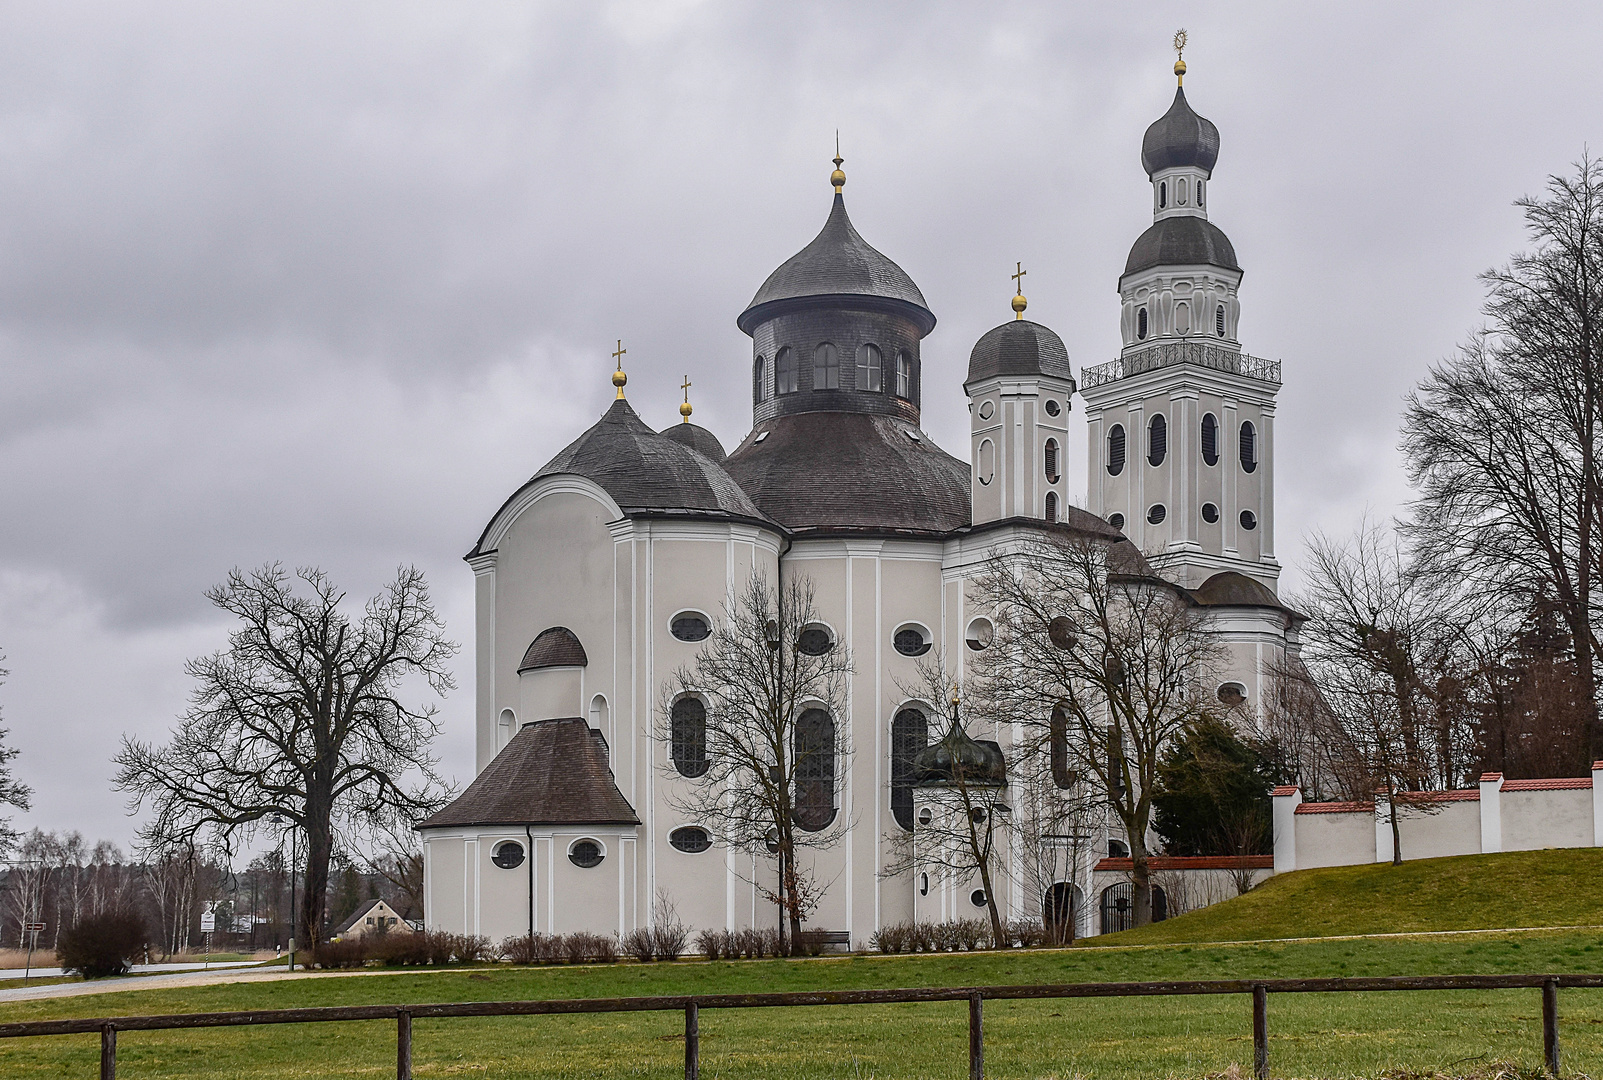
[
  {"x": 300, "y": 719},
  {"x": 757, "y": 728},
  {"x": 1100, "y": 665},
  {"x": 12, "y": 791}
]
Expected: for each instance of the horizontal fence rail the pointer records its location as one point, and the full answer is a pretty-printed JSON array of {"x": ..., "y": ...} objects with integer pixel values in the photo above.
[{"x": 691, "y": 1006}]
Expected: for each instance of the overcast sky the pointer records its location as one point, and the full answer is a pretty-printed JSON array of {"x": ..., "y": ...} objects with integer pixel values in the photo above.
[{"x": 324, "y": 283}]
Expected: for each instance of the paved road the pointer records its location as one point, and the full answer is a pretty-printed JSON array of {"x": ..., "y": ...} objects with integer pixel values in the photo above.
[{"x": 172, "y": 980}]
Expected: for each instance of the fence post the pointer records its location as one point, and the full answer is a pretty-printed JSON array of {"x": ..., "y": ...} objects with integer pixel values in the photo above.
[
  {"x": 976, "y": 1037},
  {"x": 1260, "y": 1032},
  {"x": 108, "y": 1052},
  {"x": 1550, "y": 1025},
  {"x": 692, "y": 1042},
  {"x": 403, "y": 1045}
]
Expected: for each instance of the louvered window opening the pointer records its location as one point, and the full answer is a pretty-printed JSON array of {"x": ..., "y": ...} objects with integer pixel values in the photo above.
[
  {"x": 1210, "y": 440},
  {"x": 1249, "y": 447},
  {"x": 1051, "y": 455},
  {"x": 1157, "y": 440},
  {"x": 1116, "y": 450}
]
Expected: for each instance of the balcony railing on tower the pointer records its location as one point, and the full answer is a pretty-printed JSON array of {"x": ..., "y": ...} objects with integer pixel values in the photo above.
[{"x": 1173, "y": 354}]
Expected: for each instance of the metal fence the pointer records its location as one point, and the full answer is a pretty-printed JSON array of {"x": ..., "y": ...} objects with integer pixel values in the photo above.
[
  {"x": 1175, "y": 353},
  {"x": 692, "y": 1005}
]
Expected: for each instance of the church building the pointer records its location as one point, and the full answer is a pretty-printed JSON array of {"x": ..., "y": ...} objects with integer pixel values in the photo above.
[{"x": 600, "y": 576}]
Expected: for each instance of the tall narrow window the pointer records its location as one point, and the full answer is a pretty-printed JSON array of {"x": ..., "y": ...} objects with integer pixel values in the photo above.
[
  {"x": 1163, "y": 194},
  {"x": 1141, "y": 324},
  {"x": 904, "y": 375},
  {"x": 1210, "y": 439},
  {"x": 785, "y": 371},
  {"x": 1157, "y": 440},
  {"x": 1051, "y": 506},
  {"x": 1182, "y": 319},
  {"x": 1180, "y": 191},
  {"x": 688, "y": 723},
  {"x": 1249, "y": 447},
  {"x": 1116, "y": 450},
  {"x": 826, "y": 367},
  {"x": 815, "y": 770},
  {"x": 870, "y": 369},
  {"x": 1200, "y": 186},
  {"x": 1058, "y": 730},
  {"x": 1052, "y": 461},
  {"x": 758, "y": 377},
  {"x": 910, "y": 733},
  {"x": 1219, "y": 320}
]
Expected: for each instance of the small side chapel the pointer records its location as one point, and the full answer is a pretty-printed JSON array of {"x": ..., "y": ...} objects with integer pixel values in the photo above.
[{"x": 600, "y": 576}]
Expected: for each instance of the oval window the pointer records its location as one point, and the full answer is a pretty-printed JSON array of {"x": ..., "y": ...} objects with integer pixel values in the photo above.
[
  {"x": 925, "y": 816},
  {"x": 1210, "y": 513},
  {"x": 586, "y": 854},
  {"x": 1141, "y": 324},
  {"x": 987, "y": 409},
  {"x": 985, "y": 468},
  {"x": 1249, "y": 520},
  {"x": 1210, "y": 439},
  {"x": 1061, "y": 632},
  {"x": 980, "y": 634},
  {"x": 1232, "y": 694},
  {"x": 910, "y": 641},
  {"x": 1157, "y": 440},
  {"x": 1117, "y": 521},
  {"x": 977, "y": 897},
  {"x": 508, "y": 855},
  {"x": 1115, "y": 449},
  {"x": 1156, "y": 513},
  {"x": 1052, "y": 407},
  {"x": 690, "y": 626},
  {"x": 1218, "y": 316},
  {"x": 691, "y": 839},
  {"x": 814, "y": 640},
  {"x": 1249, "y": 447}
]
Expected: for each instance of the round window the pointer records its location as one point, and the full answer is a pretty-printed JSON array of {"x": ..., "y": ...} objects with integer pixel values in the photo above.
[
  {"x": 1249, "y": 520},
  {"x": 508, "y": 855},
  {"x": 1117, "y": 521},
  {"x": 910, "y": 641},
  {"x": 691, "y": 839},
  {"x": 1060, "y": 631},
  {"x": 1156, "y": 513},
  {"x": 977, "y": 897},
  {"x": 987, "y": 409},
  {"x": 977, "y": 815},
  {"x": 1052, "y": 407},
  {"x": 980, "y": 634},
  {"x": 1232, "y": 694},
  {"x": 814, "y": 640},
  {"x": 925, "y": 816},
  {"x": 1210, "y": 513},
  {"x": 690, "y": 626},
  {"x": 586, "y": 854}
]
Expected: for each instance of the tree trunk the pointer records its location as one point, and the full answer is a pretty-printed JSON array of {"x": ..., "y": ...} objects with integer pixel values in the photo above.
[
  {"x": 319, "y": 851},
  {"x": 1140, "y": 874},
  {"x": 1396, "y": 832}
]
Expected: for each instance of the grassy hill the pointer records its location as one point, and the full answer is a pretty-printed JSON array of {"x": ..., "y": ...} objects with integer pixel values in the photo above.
[{"x": 1562, "y": 887}]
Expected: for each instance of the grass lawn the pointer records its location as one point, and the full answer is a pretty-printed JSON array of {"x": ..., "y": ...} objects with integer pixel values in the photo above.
[
  {"x": 1466, "y": 892},
  {"x": 1323, "y": 1035}
]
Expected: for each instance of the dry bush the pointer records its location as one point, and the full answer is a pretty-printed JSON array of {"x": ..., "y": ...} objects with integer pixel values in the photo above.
[
  {"x": 639, "y": 944},
  {"x": 344, "y": 953},
  {"x": 710, "y": 943},
  {"x": 669, "y": 939},
  {"x": 890, "y": 939}
]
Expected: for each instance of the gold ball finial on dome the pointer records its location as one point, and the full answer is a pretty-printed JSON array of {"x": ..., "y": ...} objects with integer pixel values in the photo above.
[
  {"x": 1019, "y": 302},
  {"x": 618, "y": 377},
  {"x": 1180, "y": 56},
  {"x": 684, "y": 410},
  {"x": 837, "y": 177}
]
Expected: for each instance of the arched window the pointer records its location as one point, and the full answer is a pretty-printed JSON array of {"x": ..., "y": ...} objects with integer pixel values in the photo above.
[
  {"x": 1051, "y": 506},
  {"x": 1141, "y": 325},
  {"x": 1157, "y": 440},
  {"x": 785, "y": 372},
  {"x": 1249, "y": 447},
  {"x": 1116, "y": 450},
  {"x": 1118, "y": 908},
  {"x": 1051, "y": 456},
  {"x": 906, "y": 376},
  {"x": 1060, "y": 911},
  {"x": 1219, "y": 320},
  {"x": 688, "y": 722},
  {"x": 870, "y": 369},
  {"x": 759, "y": 373},
  {"x": 910, "y": 733},
  {"x": 1210, "y": 439},
  {"x": 1058, "y": 731},
  {"x": 815, "y": 770},
  {"x": 826, "y": 367},
  {"x": 985, "y": 466},
  {"x": 509, "y": 725},
  {"x": 599, "y": 714},
  {"x": 1163, "y": 194}
]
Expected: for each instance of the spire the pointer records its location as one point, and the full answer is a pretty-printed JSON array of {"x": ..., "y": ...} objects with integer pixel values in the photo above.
[
  {"x": 1180, "y": 57},
  {"x": 1019, "y": 302},
  {"x": 684, "y": 410},
  {"x": 618, "y": 377},
  {"x": 837, "y": 177}
]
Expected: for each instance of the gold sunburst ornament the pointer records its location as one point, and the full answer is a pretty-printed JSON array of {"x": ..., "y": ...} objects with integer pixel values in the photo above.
[{"x": 1180, "y": 56}]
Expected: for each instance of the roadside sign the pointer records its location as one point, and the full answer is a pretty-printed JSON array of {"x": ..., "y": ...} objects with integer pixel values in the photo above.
[
  {"x": 208, "y": 921},
  {"x": 34, "y": 927}
]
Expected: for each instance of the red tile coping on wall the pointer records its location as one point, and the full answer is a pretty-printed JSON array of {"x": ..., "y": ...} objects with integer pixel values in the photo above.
[
  {"x": 1456, "y": 795},
  {"x": 1562, "y": 783},
  {"x": 1193, "y": 862},
  {"x": 1491, "y": 777},
  {"x": 1597, "y": 766},
  {"x": 1284, "y": 789},
  {"x": 1336, "y": 808}
]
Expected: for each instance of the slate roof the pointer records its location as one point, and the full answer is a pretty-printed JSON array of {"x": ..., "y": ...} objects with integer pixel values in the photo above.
[
  {"x": 1019, "y": 347},
  {"x": 1180, "y": 137},
  {"x": 1181, "y": 241},
  {"x": 554, "y": 647},
  {"x": 838, "y": 263},
  {"x": 851, "y": 472},
  {"x": 553, "y": 772},
  {"x": 697, "y": 438},
  {"x": 1231, "y": 589}
]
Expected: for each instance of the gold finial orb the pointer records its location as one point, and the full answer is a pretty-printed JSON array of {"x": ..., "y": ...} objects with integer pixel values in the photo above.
[
  {"x": 837, "y": 177},
  {"x": 684, "y": 411},
  {"x": 1019, "y": 304},
  {"x": 618, "y": 380}
]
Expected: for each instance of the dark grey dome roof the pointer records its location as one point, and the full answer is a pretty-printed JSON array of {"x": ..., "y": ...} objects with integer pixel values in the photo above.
[
  {"x": 1181, "y": 241},
  {"x": 837, "y": 264},
  {"x": 1232, "y": 589},
  {"x": 697, "y": 438},
  {"x": 977, "y": 762},
  {"x": 1019, "y": 347},
  {"x": 833, "y": 471},
  {"x": 1180, "y": 137},
  {"x": 554, "y": 647}
]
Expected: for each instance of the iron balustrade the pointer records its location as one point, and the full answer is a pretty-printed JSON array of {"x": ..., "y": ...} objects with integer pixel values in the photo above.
[
  {"x": 1175, "y": 353},
  {"x": 691, "y": 1005}
]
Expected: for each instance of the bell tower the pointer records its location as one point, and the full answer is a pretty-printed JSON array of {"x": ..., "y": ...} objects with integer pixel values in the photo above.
[{"x": 1181, "y": 424}]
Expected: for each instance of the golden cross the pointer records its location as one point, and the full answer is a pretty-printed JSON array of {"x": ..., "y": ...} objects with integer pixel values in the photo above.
[
  {"x": 1018, "y": 277},
  {"x": 685, "y": 386},
  {"x": 619, "y": 354}
]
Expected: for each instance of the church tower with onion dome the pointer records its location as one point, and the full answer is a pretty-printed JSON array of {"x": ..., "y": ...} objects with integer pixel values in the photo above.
[{"x": 1182, "y": 423}]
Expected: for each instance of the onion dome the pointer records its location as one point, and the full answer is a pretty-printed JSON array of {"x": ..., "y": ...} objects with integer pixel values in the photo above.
[
  {"x": 697, "y": 438},
  {"x": 1181, "y": 241},
  {"x": 1019, "y": 347},
  {"x": 957, "y": 757},
  {"x": 1180, "y": 138},
  {"x": 837, "y": 265},
  {"x": 556, "y": 646}
]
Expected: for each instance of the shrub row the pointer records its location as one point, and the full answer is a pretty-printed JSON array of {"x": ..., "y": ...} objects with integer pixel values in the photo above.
[
  {"x": 578, "y": 948},
  {"x": 964, "y": 935},
  {"x": 425, "y": 949},
  {"x": 755, "y": 944},
  {"x": 656, "y": 943}
]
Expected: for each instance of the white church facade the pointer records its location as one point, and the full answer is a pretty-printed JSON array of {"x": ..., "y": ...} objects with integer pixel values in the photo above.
[{"x": 598, "y": 578}]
